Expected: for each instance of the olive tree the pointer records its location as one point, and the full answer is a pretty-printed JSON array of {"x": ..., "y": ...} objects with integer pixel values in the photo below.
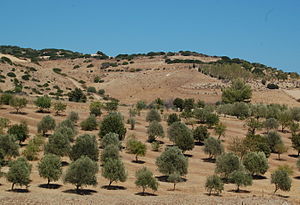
[
  {"x": 154, "y": 130},
  {"x": 110, "y": 152},
  {"x": 273, "y": 139},
  {"x": 58, "y": 144},
  {"x": 110, "y": 139},
  {"x": 59, "y": 107},
  {"x": 20, "y": 131},
  {"x": 253, "y": 125},
  {"x": 271, "y": 124},
  {"x": 240, "y": 178},
  {"x": 85, "y": 145},
  {"x": 73, "y": 116},
  {"x": 95, "y": 108},
  {"x": 200, "y": 133},
  {"x": 220, "y": 130},
  {"x": 285, "y": 118},
  {"x": 153, "y": 115},
  {"x": 181, "y": 136},
  {"x": 89, "y": 123},
  {"x": 136, "y": 147},
  {"x": 9, "y": 146},
  {"x": 50, "y": 167},
  {"x": 145, "y": 179},
  {"x": 296, "y": 142},
  {"x": 113, "y": 122},
  {"x": 214, "y": 184},
  {"x": 46, "y": 124},
  {"x": 213, "y": 147},
  {"x": 281, "y": 179},
  {"x": 173, "y": 118},
  {"x": 256, "y": 163},
  {"x": 43, "y": 103},
  {"x": 18, "y": 103},
  {"x": 227, "y": 163},
  {"x": 82, "y": 172},
  {"x": 114, "y": 171}
]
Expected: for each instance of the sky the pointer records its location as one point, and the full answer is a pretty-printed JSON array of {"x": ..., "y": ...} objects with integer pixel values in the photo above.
[{"x": 264, "y": 31}]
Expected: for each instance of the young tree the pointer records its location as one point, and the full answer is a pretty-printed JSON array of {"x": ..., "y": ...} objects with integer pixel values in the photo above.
[
  {"x": 89, "y": 123},
  {"x": 280, "y": 149},
  {"x": 153, "y": 115},
  {"x": 47, "y": 123},
  {"x": 95, "y": 108},
  {"x": 214, "y": 183},
  {"x": 82, "y": 172},
  {"x": 113, "y": 122},
  {"x": 213, "y": 147},
  {"x": 140, "y": 105},
  {"x": 271, "y": 124},
  {"x": 155, "y": 129},
  {"x": 58, "y": 144},
  {"x": 9, "y": 146},
  {"x": 294, "y": 127},
  {"x": 240, "y": 178},
  {"x": 178, "y": 103},
  {"x": 227, "y": 163},
  {"x": 181, "y": 136},
  {"x": 259, "y": 111},
  {"x": 173, "y": 118},
  {"x": 285, "y": 119},
  {"x": 132, "y": 122},
  {"x": 50, "y": 167},
  {"x": 20, "y": 131},
  {"x": 273, "y": 139},
  {"x": 174, "y": 178},
  {"x": 200, "y": 133},
  {"x": 110, "y": 152},
  {"x": 114, "y": 171},
  {"x": 253, "y": 125},
  {"x": 237, "y": 92},
  {"x": 110, "y": 139},
  {"x": 85, "y": 145},
  {"x": 238, "y": 147},
  {"x": 59, "y": 107},
  {"x": 73, "y": 116},
  {"x": 256, "y": 163},
  {"x": 296, "y": 142},
  {"x": 19, "y": 172},
  {"x": 18, "y": 103},
  {"x": 4, "y": 123},
  {"x": 43, "y": 103},
  {"x": 220, "y": 130},
  {"x": 281, "y": 179},
  {"x": 145, "y": 179},
  {"x": 172, "y": 161},
  {"x": 136, "y": 147}
]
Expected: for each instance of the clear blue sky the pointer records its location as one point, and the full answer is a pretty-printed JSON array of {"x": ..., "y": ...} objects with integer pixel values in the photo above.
[{"x": 265, "y": 31}]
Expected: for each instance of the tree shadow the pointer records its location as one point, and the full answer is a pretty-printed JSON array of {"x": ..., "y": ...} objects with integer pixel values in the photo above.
[
  {"x": 280, "y": 159},
  {"x": 199, "y": 143},
  {"x": 145, "y": 194},
  {"x": 64, "y": 163},
  {"x": 297, "y": 177},
  {"x": 164, "y": 178},
  {"x": 80, "y": 191},
  {"x": 213, "y": 194},
  {"x": 138, "y": 161},
  {"x": 113, "y": 187},
  {"x": 283, "y": 196},
  {"x": 188, "y": 155},
  {"x": 258, "y": 177},
  {"x": 19, "y": 190},
  {"x": 50, "y": 186},
  {"x": 23, "y": 145},
  {"x": 19, "y": 113},
  {"x": 293, "y": 155},
  {"x": 240, "y": 191},
  {"x": 210, "y": 160},
  {"x": 43, "y": 111}
]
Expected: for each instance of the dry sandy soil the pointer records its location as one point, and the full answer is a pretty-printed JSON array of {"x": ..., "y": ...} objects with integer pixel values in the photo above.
[{"x": 157, "y": 79}]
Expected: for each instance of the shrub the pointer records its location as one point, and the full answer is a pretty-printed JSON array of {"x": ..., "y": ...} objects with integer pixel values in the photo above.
[
  {"x": 155, "y": 130},
  {"x": 113, "y": 122},
  {"x": 181, "y": 135},
  {"x": 11, "y": 74},
  {"x": 215, "y": 184},
  {"x": 82, "y": 172},
  {"x": 136, "y": 147},
  {"x": 114, "y": 171},
  {"x": 43, "y": 103},
  {"x": 153, "y": 115},
  {"x": 200, "y": 133},
  {"x": 145, "y": 179},
  {"x": 101, "y": 91},
  {"x": 73, "y": 116},
  {"x": 77, "y": 95},
  {"x": 213, "y": 147},
  {"x": 89, "y": 124},
  {"x": 19, "y": 172},
  {"x": 95, "y": 108},
  {"x": 272, "y": 86},
  {"x": 85, "y": 145},
  {"x": 91, "y": 89},
  {"x": 47, "y": 123},
  {"x": 50, "y": 168}
]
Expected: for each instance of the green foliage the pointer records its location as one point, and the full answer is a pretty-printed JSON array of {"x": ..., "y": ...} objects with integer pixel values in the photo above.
[
  {"x": 178, "y": 103},
  {"x": 273, "y": 139},
  {"x": 50, "y": 167},
  {"x": 95, "y": 108},
  {"x": 240, "y": 178},
  {"x": 206, "y": 116},
  {"x": 271, "y": 124},
  {"x": 82, "y": 172},
  {"x": 153, "y": 115},
  {"x": 47, "y": 123},
  {"x": 11, "y": 74},
  {"x": 85, "y": 145},
  {"x": 113, "y": 122},
  {"x": 155, "y": 129},
  {"x": 174, "y": 178},
  {"x": 91, "y": 89},
  {"x": 66, "y": 130},
  {"x": 257, "y": 143},
  {"x": 136, "y": 147},
  {"x": 114, "y": 171},
  {"x": 59, "y": 107},
  {"x": 132, "y": 122},
  {"x": 181, "y": 135},
  {"x": 9, "y": 146},
  {"x": 296, "y": 142},
  {"x": 173, "y": 118},
  {"x": 43, "y": 103},
  {"x": 256, "y": 163},
  {"x": 110, "y": 152},
  {"x": 259, "y": 111},
  {"x": 280, "y": 149},
  {"x": 281, "y": 180},
  {"x": 112, "y": 106},
  {"x": 220, "y": 129},
  {"x": 5, "y": 98},
  {"x": 77, "y": 95},
  {"x": 110, "y": 139},
  {"x": 253, "y": 125},
  {"x": 237, "y": 92},
  {"x": 172, "y": 161},
  {"x": 214, "y": 184},
  {"x": 200, "y": 133},
  {"x": 101, "y": 91},
  {"x": 227, "y": 163},
  {"x": 34, "y": 146},
  {"x": 20, "y": 131},
  {"x": 155, "y": 145},
  {"x": 58, "y": 144},
  {"x": 18, "y": 103},
  {"x": 145, "y": 179},
  {"x": 213, "y": 147},
  {"x": 89, "y": 124},
  {"x": 73, "y": 116},
  {"x": 285, "y": 118},
  {"x": 19, "y": 172},
  {"x": 140, "y": 105},
  {"x": 239, "y": 109}
]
